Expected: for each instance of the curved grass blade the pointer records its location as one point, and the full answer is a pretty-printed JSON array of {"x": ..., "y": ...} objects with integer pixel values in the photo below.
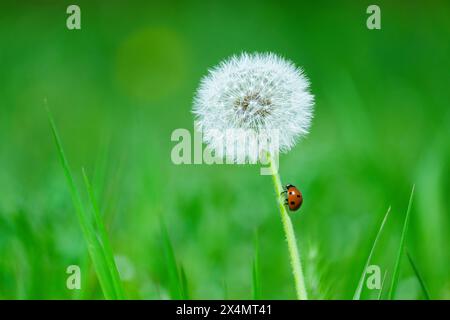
[
  {"x": 382, "y": 286},
  {"x": 184, "y": 285},
  {"x": 255, "y": 271},
  {"x": 359, "y": 288},
  {"x": 395, "y": 275},
  {"x": 175, "y": 285},
  {"x": 419, "y": 277},
  {"x": 94, "y": 247},
  {"x": 108, "y": 253}
]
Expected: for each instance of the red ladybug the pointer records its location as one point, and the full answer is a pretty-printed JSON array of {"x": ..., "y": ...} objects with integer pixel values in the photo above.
[{"x": 294, "y": 197}]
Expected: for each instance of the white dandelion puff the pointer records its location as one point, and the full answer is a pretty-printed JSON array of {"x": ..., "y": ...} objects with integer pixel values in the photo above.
[{"x": 258, "y": 92}]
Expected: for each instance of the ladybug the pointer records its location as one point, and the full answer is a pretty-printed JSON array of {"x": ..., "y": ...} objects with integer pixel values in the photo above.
[{"x": 294, "y": 197}]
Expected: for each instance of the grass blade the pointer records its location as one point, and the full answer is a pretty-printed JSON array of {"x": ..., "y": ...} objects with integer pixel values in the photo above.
[
  {"x": 419, "y": 277},
  {"x": 255, "y": 271},
  {"x": 108, "y": 253},
  {"x": 94, "y": 247},
  {"x": 382, "y": 286},
  {"x": 175, "y": 285},
  {"x": 225, "y": 290},
  {"x": 401, "y": 248},
  {"x": 184, "y": 285},
  {"x": 359, "y": 288}
]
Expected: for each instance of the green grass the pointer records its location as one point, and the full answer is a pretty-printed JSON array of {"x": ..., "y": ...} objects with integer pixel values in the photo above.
[
  {"x": 419, "y": 277},
  {"x": 401, "y": 249},
  {"x": 177, "y": 278},
  {"x": 118, "y": 91},
  {"x": 184, "y": 283},
  {"x": 359, "y": 288},
  {"x": 256, "y": 283},
  {"x": 104, "y": 240},
  {"x": 93, "y": 230},
  {"x": 380, "y": 292}
]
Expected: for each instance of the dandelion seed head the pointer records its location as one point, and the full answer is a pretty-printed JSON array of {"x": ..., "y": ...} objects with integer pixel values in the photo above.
[{"x": 260, "y": 92}]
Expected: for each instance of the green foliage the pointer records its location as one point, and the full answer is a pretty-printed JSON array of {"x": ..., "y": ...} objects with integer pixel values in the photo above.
[
  {"x": 120, "y": 86},
  {"x": 401, "y": 249},
  {"x": 177, "y": 278},
  {"x": 359, "y": 289},
  {"x": 93, "y": 231},
  {"x": 419, "y": 277},
  {"x": 104, "y": 240},
  {"x": 256, "y": 289},
  {"x": 380, "y": 292}
]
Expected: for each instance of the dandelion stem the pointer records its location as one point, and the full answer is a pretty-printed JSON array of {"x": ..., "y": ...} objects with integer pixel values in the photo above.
[{"x": 290, "y": 236}]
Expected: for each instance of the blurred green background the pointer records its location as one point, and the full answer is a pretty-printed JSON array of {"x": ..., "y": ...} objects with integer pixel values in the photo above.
[{"x": 119, "y": 87}]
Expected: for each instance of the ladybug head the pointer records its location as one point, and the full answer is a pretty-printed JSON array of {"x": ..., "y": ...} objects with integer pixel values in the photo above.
[{"x": 289, "y": 186}]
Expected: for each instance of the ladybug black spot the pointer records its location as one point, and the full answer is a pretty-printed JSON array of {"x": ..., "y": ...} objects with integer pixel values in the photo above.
[
  {"x": 298, "y": 196},
  {"x": 292, "y": 203}
]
